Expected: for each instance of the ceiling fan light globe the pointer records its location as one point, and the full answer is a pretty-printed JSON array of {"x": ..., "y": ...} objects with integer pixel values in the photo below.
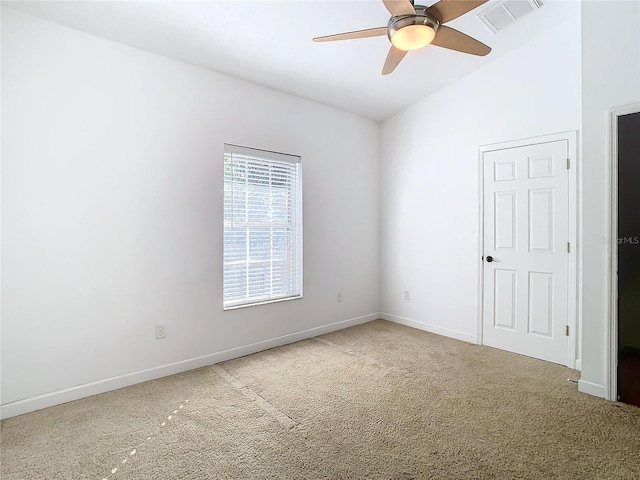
[{"x": 413, "y": 37}]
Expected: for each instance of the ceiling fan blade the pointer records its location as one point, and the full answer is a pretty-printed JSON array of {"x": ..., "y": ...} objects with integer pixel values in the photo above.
[
  {"x": 369, "y": 32},
  {"x": 452, "y": 39},
  {"x": 447, "y": 10},
  {"x": 399, "y": 7},
  {"x": 394, "y": 57}
]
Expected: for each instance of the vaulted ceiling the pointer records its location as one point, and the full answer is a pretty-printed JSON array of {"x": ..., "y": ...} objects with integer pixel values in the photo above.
[{"x": 269, "y": 43}]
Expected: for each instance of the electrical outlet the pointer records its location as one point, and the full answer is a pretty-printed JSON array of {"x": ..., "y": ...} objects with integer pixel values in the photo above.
[
  {"x": 407, "y": 294},
  {"x": 161, "y": 331},
  {"x": 339, "y": 297}
]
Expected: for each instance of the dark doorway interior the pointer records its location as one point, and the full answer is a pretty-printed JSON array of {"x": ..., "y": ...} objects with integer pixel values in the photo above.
[{"x": 629, "y": 258}]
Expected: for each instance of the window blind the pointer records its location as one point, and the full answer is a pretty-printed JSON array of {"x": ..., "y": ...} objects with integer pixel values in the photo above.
[{"x": 262, "y": 227}]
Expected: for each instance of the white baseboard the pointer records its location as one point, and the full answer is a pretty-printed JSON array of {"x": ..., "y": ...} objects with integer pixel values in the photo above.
[
  {"x": 592, "y": 388},
  {"x": 446, "y": 332},
  {"x": 81, "y": 391}
]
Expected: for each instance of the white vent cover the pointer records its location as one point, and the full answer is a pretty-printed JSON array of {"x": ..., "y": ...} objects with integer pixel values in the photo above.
[{"x": 505, "y": 12}]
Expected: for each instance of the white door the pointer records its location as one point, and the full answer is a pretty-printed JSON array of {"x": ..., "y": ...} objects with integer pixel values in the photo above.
[{"x": 526, "y": 234}]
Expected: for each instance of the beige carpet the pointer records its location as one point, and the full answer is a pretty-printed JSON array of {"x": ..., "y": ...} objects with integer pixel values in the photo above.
[{"x": 378, "y": 401}]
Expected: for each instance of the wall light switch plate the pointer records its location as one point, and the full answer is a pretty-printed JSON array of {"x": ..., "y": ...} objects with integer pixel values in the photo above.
[{"x": 161, "y": 331}]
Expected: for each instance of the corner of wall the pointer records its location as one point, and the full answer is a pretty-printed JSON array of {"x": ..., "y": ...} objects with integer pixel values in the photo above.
[{"x": 591, "y": 388}]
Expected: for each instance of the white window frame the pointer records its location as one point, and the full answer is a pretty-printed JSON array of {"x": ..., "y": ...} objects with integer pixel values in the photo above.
[{"x": 236, "y": 223}]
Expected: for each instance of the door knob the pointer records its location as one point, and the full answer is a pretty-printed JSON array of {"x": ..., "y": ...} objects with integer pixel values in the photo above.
[{"x": 489, "y": 258}]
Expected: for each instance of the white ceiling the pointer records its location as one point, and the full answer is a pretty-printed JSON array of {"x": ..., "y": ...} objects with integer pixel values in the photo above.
[{"x": 269, "y": 43}]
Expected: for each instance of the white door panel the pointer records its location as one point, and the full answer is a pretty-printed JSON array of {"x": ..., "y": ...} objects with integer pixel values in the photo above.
[
  {"x": 504, "y": 299},
  {"x": 526, "y": 230}
]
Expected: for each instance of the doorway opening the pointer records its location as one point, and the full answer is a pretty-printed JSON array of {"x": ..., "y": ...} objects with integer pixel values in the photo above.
[{"x": 624, "y": 382}]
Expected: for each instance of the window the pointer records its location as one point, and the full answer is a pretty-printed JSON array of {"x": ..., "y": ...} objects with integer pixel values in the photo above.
[{"x": 262, "y": 227}]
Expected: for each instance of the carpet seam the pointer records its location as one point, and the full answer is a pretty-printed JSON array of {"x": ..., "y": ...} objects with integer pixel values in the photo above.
[{"x": 264, "y": 404}]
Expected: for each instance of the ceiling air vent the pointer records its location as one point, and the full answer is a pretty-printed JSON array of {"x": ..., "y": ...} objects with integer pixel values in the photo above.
[{"x": 505, "y": 12}]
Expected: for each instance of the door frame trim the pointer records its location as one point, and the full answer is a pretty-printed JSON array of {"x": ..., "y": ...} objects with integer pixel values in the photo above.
[
  {"x": 612, "y": 272},
  {"x": 574, "y": 292}
]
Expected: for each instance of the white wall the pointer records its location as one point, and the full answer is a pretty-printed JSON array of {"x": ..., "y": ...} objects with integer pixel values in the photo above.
[
  {"x": 430, "y": 175},
  {"x": 610, "y": 78},
  {"x": 112, "y": 214}
]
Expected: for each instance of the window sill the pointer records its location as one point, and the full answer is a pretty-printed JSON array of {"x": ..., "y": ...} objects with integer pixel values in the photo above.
[{"x": 262, "y": 302}]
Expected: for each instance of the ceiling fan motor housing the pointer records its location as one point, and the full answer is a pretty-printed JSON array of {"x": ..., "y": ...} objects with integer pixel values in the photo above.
[{"x": 421, "y": 17}]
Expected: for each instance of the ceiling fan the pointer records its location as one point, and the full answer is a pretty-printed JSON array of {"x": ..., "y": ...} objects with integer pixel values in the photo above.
[{"x": 415, "y": 26}]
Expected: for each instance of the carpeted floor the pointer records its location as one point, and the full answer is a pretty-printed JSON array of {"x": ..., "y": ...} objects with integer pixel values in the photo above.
[{"x": 376, "y": 401}]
